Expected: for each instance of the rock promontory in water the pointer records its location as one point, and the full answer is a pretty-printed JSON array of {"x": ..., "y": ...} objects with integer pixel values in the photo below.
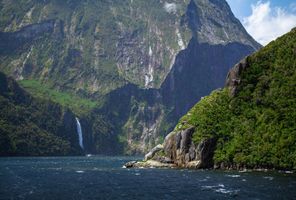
[{"x": 179, "y": 151}]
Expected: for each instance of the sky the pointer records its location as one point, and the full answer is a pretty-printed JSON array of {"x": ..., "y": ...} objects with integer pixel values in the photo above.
[{"x": 265, "y": 20}]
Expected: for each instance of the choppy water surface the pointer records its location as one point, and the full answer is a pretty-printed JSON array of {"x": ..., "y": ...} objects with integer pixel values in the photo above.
[{"x": 104, "y": 178}]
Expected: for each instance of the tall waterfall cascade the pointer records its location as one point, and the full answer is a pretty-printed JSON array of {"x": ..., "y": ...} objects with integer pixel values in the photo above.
[{"x": 79, "y": 132}]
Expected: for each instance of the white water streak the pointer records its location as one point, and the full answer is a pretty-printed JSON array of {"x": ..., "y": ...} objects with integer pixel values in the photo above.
[{"x": 79, "y": 132}]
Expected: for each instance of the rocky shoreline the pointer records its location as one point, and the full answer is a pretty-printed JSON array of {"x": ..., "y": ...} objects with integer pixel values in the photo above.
[
  {"x": 179, "y": 151},
  {"x": 142, "y": 164}
]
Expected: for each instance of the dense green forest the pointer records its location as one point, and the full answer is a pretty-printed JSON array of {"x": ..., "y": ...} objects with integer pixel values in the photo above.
[
  {"x": 45, "y": 91},
  {"x": 255, "y": 126},
  {"x": 31, "y": 126}
]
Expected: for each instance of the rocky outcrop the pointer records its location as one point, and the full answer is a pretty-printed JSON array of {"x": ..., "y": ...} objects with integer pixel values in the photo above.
[
  {"x": 233, "y": 77},
  {"x": 149, "y": 164},
  {"x": 179, "y": 150},
  {"x": 152, "y": 153}
]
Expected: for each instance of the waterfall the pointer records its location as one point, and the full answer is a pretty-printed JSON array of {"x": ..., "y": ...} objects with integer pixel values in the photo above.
[{"x": 79, "y": 131}]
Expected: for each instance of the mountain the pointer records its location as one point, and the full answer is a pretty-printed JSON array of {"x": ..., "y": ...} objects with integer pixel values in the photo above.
[
  {"x": 248, "y": 124},
  {"x": 138, "y": 65}
]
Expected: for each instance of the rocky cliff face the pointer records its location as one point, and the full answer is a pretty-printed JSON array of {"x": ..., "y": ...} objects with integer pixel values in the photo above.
[
  {"x": 144, "y": 67},
  {"x": 179, "y": 150},
  {"x": 234, "y": 76}
]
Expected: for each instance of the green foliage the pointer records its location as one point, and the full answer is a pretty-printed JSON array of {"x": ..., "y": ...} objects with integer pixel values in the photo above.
[
  {"x": 77, "y": 104},
  {"x": 256, "y": 127},
  {"x": 31, "y": 126},
  {"x": 205, "y": 114}
]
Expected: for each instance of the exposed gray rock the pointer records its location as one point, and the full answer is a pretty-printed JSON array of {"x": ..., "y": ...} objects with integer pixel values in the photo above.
[
  {"x": 130, "y": 164},
  {"x": 180, "y": 151},
  {"x": 163, "y": 159},
  {"x": 170, "y": 145},
  {"x": 153, "y": 151},
  {"x": 149, "y": 164},
  {"x": 205, "y": 151},
  {"x": 233, "y": 77}
]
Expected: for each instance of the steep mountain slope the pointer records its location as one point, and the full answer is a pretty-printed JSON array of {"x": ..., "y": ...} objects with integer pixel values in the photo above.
[
  {"x": 94, "y": 46},
  {"x": 140, "y": 69},
  {"x": 31, "y": 126},
  {"x": 248, "y": 124}
]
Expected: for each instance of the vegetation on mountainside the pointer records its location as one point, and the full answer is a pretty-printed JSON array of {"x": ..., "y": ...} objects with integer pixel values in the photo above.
[
  {"x": 77, "y": 104},
  {"x": 256, "y": 127},
  {"x": 30, "y": 126}
]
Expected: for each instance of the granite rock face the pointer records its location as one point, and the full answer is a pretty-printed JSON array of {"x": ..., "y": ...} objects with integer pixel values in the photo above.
[
  {"x": 180, "y": 148},
  {"x": 233, "y": 77},
  {"x": 179, "y": 151},
  {"x": 153, "y": 151}
]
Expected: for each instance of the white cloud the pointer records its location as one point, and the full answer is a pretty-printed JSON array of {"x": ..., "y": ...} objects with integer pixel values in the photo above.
[
  {"x": 266, "y": 24},
  {"x": 170, "y": 7}
]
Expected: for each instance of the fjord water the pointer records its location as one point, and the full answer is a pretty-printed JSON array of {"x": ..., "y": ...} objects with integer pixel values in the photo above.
[{"x": 100, "y": 177}]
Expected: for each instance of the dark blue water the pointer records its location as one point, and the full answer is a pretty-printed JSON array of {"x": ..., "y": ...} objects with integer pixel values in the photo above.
[{"x": 104, "y": 178}]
